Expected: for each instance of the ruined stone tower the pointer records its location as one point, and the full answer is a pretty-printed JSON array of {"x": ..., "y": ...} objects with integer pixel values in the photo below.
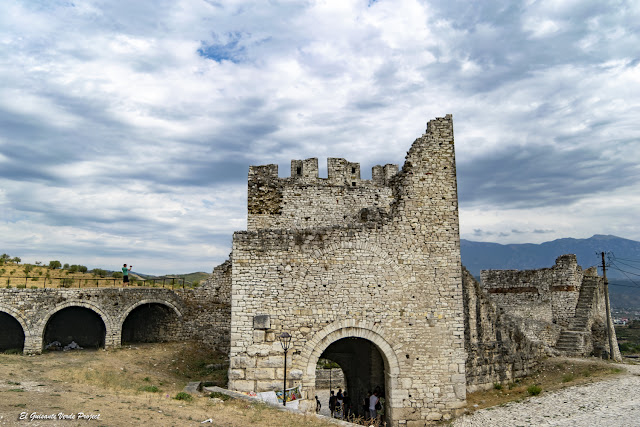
[{"x": 365, "y": 273}]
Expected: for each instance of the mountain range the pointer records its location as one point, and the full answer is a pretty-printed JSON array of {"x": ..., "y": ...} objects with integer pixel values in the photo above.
[{"x": 621, "y": 254}]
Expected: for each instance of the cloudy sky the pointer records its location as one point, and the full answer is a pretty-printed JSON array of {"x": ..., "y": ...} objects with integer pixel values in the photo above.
[{"x": 127, "y": 127}]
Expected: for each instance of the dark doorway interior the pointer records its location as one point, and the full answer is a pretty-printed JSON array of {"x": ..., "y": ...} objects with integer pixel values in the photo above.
[
  {"x": 363, "y": 368},
  {"x": 11, "y": 334},
  {"x": 79, "y": 324},
  {"x": 149, "y": 323}
]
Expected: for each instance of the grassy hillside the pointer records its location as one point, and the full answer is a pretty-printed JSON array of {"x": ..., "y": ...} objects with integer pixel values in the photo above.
[{"x": 55, "y": 275}]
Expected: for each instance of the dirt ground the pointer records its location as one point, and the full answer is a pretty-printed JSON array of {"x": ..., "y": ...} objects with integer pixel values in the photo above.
[{"x": 130, "y": 386}]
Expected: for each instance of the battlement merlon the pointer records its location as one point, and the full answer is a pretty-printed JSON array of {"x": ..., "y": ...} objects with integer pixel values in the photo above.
[{"x": 341, "y": 172}]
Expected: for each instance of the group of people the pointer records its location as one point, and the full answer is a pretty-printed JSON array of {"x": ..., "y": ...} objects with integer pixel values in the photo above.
[
  {"x": 341, "y": 407},
  {"x": 340, "y": 404}
]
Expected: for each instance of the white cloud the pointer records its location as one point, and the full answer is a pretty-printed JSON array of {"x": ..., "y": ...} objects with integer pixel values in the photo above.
[{"x": 120, "y": 140}]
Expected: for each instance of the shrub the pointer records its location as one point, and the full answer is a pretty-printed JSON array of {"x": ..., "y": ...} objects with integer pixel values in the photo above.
[
  {"x": 66, "y": 266},
  {"x": 152, "y": 389},
  {"x": 534, "y": 390},
  {"x": 53, "y": 265},
  {"x": 99, "y": 272},
  {"x": 66, "y": 283},
  {"x": 566, "y": 378},
  {"x": 34, "y": 287},
  {"x": 497, "y": 386},
  {"x": 21, "y": 286},
  {"x": 184, "y": 396}
]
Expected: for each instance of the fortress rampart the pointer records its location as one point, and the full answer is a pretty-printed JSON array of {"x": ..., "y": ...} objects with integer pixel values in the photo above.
[{"x": 306, "y": 201}]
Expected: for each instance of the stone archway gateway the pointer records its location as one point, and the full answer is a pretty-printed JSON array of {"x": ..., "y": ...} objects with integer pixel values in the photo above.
[{"x": 367, "y": 359}]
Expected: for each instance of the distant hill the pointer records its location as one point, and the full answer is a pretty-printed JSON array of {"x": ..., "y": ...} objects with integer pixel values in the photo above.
[
  {"x": 189, "y": 278},
  {"x": 478, "y": 256}
]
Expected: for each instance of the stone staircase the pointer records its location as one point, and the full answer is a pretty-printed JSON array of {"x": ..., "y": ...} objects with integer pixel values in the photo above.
[{"x": 572, "y": 340}]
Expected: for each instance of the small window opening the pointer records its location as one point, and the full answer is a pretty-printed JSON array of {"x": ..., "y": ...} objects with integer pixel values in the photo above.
[
  {"x": 299, "y": 170},
  {"x": 353, "y": 170},
  {"x": 353, "y": 184}
]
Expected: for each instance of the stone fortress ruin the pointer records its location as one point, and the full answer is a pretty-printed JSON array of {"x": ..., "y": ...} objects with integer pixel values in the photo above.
[{"x": 366, "y": 273}]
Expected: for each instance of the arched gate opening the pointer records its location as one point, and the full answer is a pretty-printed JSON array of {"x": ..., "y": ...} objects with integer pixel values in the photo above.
[
  {"x": 364, "y": 373},
  {"x": 151, "y": 322},
  {"x": 11, "y": 334},
  {"x": 81, "y": 325}
]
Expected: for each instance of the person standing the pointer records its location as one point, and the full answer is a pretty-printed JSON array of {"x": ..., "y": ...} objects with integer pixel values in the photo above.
[
  {"x": 340, "y": 399},
  {"x": 373, "y": 401},
  {"x": 125, "y": 274},
  {"x": 318, "y": 405},
  {"x": 332, "y": 403},
  {"x": 365, "y": 406},
  {"x": 346, "y": 406}
]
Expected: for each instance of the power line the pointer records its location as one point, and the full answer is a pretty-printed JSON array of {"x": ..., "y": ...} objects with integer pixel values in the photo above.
[
  {"x": 626, "y": 286},
  {"x": 623, "y": 259},
  {"x": 623, "y": 272},
  {"x": 623, "y": 263},
  {"x": 615, "y": 267}
]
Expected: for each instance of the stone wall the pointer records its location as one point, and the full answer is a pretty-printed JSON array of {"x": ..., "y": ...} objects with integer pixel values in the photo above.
[
  {"x": 391, "y": 279},
  {"x": 497, "y": 348},
  {"x": 544, "y": 299},
  {"x": 562, "y": 307},
  {"x": 208, "y": 309},
  {"x": 333, "y": 377}
]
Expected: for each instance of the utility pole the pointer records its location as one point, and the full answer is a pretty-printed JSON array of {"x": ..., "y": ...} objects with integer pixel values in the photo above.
[{"x": 606, "y": 302}]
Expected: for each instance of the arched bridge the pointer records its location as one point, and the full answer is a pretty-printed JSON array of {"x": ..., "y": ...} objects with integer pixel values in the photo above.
[{"x": 30, "y": 319}]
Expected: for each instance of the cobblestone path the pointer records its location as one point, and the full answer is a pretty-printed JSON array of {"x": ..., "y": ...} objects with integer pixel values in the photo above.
[{"x": 610, "y": 403}]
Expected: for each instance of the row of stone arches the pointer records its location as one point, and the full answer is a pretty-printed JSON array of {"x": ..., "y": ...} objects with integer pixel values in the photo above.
[{"x": 89, "y": 326}]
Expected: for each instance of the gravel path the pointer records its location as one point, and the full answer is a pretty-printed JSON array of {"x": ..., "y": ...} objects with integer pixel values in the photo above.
[{"x": 610, "y": 403}]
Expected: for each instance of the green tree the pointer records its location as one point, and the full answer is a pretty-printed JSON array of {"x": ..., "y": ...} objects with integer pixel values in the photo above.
[
  {"x": 27, "y": 269},
  {"x": 54, "y": 265},
  {"x": 66, "y": 266},
  {"x": 82, "y": 268},
  {"x": 17, "y": 260},
  {"x": 117, "y": 274},
  {"x": 5, "y": 258},
  {"x": 99, "y": 272},
  {"x": 74, "y": 268}
]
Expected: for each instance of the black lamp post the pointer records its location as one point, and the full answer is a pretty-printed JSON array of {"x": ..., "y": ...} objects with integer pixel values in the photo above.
[{"x": 285, "y": 341}]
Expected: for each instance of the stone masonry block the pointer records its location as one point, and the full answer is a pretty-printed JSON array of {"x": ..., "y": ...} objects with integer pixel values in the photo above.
[{"x": 262, "y": 321}]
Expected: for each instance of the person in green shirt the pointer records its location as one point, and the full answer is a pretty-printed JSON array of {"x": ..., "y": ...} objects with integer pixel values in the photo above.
[{"x": 125, "y": 274}]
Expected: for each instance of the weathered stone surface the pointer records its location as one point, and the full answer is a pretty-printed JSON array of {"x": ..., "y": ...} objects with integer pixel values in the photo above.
[
  {"x": 561, "y": 307},
  {"x": 342, "y": 257}
]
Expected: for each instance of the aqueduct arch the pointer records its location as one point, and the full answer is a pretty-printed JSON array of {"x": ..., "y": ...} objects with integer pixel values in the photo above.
[
  {"x": 13, "y": 329},
  {"x": 77, "y": 310},
  {"x": 149, "y": 320}
]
